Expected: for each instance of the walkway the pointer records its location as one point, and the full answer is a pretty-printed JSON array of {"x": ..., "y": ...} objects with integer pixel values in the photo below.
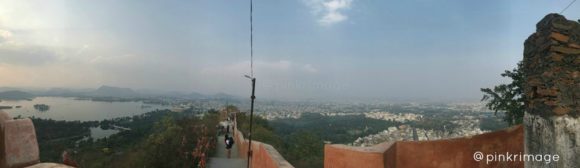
[{"x": 221, "y": 160}]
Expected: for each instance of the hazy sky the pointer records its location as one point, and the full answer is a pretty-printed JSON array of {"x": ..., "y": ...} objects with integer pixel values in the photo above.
[{"x": 303, "y": 48}]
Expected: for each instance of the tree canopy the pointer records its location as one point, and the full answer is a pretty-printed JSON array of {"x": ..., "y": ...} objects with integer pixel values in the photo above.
[{"x": 508, "y": 98}]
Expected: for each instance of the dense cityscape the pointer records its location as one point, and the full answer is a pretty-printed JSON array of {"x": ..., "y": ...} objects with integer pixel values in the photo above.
[{"x": 466, "y": 124}]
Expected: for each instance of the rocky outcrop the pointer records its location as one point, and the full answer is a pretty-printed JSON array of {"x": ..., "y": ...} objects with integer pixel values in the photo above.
[
  {"x": 18, "y": 145},
  {"x": 551, "y": 67},
  {"x": 18, "y": 142}
]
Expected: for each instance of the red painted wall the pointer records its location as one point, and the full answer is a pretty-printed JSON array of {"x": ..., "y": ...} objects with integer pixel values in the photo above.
[
  {"x": 264, "y": 155},
  {"x": 456, "y": 152}
]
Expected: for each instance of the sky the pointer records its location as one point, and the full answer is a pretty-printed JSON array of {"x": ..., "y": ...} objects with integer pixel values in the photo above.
[{"x": 303, "y": 49}]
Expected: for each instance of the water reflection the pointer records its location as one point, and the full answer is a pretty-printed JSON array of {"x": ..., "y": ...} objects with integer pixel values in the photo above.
[
  {"x": 41, "y": 107},
  {"x": 71, "y": 109},
  {"x": 98, "y": 133}
]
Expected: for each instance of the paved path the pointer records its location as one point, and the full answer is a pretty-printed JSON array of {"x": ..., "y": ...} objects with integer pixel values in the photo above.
[
  {"x": 221, "y": 160},
  {"x": 226, "y": 163}
]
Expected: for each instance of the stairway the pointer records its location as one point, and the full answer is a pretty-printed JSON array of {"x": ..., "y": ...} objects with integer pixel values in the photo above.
[{"x": 221, "y": 160}]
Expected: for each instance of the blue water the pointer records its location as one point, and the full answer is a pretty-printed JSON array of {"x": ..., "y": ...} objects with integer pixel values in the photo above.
[{"x": 64, "y": 108}]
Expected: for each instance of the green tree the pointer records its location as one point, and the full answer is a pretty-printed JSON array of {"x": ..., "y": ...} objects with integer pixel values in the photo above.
[
  {"x": 508, "y": 98},
  {"x": 232, "y": 108},
  {"x": 305, "y": 149},
  {"x": 162, "y": 145}
]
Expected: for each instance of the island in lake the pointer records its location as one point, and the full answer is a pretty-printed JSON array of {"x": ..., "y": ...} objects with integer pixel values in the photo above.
[
  {"x": 5, "y": 107},
  {"x": 41, "y": 107}
]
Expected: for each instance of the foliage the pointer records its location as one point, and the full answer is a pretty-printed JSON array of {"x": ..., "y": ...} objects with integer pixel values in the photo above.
[
  {"x": 492, "y": 124},
  {"x": 337, "y": 129},
  {"x": 305, "y": 149},
  {"x": 173, "y": 142},
  {"x": 261, "y": 130},
  {"x": 301, "y": 141},
  {"x": 508, "y": 98},
  {"x": 160, "y": 138},
  {"x": 56, "y": 136},
  {"x": 439, "y": 124},
  {"x": 232, "y": 108},
  {"x": 49, "y": 129},
  {"x": 161, "y": 147}
]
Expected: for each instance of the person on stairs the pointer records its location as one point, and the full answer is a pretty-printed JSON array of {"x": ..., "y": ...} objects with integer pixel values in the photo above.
[{"x": 229, "y": 144}]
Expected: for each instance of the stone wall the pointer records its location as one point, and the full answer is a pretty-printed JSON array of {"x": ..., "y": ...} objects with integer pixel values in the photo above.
[
  {"x": 551, "y": 67},
  {"x": 18, "y": 145},
  {"x": 459, "y": 152},
  {"x": 338, "y": 155},
  {"x": 264, "y": 155},
  {"x": 18, "y": 142},
  {"x": 456, "y": 152},
  {"x": 551, "y": 123}
]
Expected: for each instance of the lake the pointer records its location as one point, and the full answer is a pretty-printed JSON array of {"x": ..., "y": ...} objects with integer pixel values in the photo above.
[
  {"x": 70, "y": 109},
  {"x": 98, "y": 133}
]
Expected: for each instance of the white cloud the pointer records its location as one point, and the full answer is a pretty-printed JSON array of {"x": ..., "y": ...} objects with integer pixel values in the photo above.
[
  {"x": 13, "y": 51},
  {"x": 309, "y": 68},
  {"x": 243, "y": 67},
  {"x": 32, "y": 15},
  {"x": 5, "y": 36},
  {"x": 25, "y": 55},
  {"x": 270, "y": 69},
  {"x": 277, "y": 78},
  {"x": 329, "y": 11}
]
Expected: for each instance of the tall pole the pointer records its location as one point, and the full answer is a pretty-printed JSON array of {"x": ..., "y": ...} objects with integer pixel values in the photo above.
[
  {"x": 253, "y": 97},
  {"x": 251, "y": 117}
]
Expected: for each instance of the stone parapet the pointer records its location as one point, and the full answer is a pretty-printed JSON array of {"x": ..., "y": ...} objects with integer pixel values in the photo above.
[
  {"x": 552, "y": 90},
  {"x": 551, "y": 67},
  {"x": 18, "y": 145},
  {"x": 457, "y": 152},
  {"x": 264, "y": 155},
  {"x": 338, "y": 155}
]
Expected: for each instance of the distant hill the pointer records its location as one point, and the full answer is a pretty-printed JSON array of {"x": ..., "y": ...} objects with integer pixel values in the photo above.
[
  {"x": 224, "y": 96},
  {"x": 110, "y": 91},
  {"x": 196, "y": 95},
  {"x": 3, "y": 89},
  {"x": 15, "y": 95},
  {"x": 63, "y": 92}
]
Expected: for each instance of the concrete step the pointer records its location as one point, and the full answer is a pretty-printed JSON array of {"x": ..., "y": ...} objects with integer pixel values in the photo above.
[{"x": 226, "y": 163}]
